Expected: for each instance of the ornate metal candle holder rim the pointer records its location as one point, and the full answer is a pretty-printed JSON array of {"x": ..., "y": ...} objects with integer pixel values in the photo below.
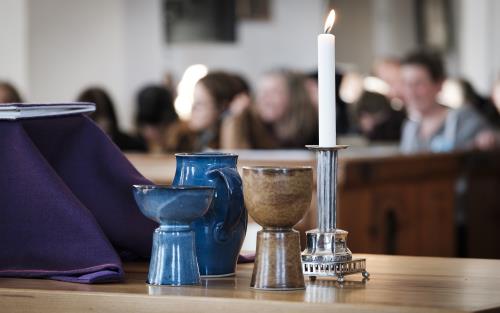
[
  {"x": 319, "y": 148},
  {"x": 335, "y": 269}
]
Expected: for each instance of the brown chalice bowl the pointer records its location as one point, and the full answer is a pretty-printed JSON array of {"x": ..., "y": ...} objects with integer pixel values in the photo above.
[{"x": 277, "y": 198}]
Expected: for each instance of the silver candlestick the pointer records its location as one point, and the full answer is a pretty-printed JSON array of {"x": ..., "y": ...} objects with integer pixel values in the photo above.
[{"x": 326, "y": 253}]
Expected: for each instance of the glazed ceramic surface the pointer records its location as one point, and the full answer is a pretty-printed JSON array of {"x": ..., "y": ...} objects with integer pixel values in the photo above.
[
  {"x": 173, "y": 257},
  {"x": 221, "y": 231},
  {"x": 277, "y": 198},
  {"x": 278, "y": 264}
]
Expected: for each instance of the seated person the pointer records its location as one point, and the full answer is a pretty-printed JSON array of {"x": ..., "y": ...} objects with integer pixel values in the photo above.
[
  {"x": 495, "y": 94},
  {"x": 434, "y": 127},
  {"x": 343, "y": 121},
  {"x": 242, "y": 98},
  {"x": 157, "y": 122},
  {"x": 495, "y": 101},
  {"x": 9, "y": 94},
  {"x": 388, "y": 69},
  {"x": 216, "y": 96},
  {"x": 483, "y": 106},
  {"x": 105, "y": 117},
  {"x": 376, "y": 119},
  {"x": 281, "y": 117}
]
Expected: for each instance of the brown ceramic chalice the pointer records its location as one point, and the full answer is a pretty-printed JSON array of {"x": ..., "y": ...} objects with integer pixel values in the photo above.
[{"x": 277, "y": 198}]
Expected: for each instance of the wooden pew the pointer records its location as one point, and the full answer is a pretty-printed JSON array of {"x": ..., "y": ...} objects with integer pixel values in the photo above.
[
  {"x": 480, "y": 204},
  {"x": 399, "y": 204},
  {"x": 395, "y": 204}
]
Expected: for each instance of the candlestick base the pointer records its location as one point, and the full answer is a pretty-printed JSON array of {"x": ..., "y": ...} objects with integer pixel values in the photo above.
[{"x": 327, "y": 254}]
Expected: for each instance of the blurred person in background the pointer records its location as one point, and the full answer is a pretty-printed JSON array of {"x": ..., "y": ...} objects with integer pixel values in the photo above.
[
  {"x": 342, "y": 118},
  {"x": 9, "y": 93},
  {"x": 242, "y": 98},
  {"x": 105, "y": 117},
  {"x": 215, "y": 98},
  {"x": 457, "y": 93},
  {"x": 389, "y": 70},
  {"x": 376, "y": 119},
  {"x": 432, "y": 126},
  {"x": 169, "y": 83},
  {"x": 282, "y": 117},
  {"x": 157, "y": 121},
  {"x": 482, "y": 105},
  {"x": 495, "y": 94}
]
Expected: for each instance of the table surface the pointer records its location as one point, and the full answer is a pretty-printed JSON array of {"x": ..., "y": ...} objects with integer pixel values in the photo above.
[{"x": 397, "y": 284}]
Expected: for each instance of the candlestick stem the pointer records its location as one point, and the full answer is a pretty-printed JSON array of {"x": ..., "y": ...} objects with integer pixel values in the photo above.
[{"x": 327, "y": 189}]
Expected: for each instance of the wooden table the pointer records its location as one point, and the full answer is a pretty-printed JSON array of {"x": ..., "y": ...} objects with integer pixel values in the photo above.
[{"x": 398, "y": 284}]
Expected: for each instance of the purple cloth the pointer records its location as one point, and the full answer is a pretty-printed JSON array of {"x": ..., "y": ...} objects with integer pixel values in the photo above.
[
  {"x": 246, "y": 258},
  {"x": 66, "y": 206}
]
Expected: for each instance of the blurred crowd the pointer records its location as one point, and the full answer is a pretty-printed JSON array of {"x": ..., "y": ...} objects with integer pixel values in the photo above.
[{"x": 409, "y": 101}]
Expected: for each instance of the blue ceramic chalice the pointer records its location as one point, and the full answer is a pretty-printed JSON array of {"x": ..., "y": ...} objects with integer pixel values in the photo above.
[{"x": 173, "y": 257}]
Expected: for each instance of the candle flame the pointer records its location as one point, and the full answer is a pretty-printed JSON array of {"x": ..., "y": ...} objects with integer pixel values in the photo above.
[{"x": 329, "y": 21}]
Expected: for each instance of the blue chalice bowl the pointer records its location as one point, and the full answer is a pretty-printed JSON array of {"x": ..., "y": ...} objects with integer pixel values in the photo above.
[{"x": 173, "y": 256}]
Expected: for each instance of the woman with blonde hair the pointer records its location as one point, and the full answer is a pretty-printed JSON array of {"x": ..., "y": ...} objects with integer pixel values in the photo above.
[
  {"x": 282, "y": 117},
  {"x": 215, "y": 97}
]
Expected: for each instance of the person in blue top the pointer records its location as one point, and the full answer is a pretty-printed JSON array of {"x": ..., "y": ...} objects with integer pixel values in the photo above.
[{"x": 430, "y": 126}]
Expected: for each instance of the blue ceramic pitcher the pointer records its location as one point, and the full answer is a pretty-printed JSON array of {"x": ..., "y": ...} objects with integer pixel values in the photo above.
[{"x": 221, "y": 231}]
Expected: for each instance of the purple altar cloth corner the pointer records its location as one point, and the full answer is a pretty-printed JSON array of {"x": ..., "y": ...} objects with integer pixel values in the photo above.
[{"x": 66, "y": 206}]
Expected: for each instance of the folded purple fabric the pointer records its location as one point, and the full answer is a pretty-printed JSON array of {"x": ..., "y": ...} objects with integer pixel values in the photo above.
[{"x": 66, "y": 206}]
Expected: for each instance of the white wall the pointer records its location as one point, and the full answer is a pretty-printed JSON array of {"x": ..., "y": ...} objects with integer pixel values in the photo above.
[
  {"x": 394, "y": 27},
  {"x": 74, "y": 44},
  {"x": 144, "y": 60},
  {"x": 13, "y": 43},
  {"x": 479, "y": 42},
  {"x": 353, "y": 30}
]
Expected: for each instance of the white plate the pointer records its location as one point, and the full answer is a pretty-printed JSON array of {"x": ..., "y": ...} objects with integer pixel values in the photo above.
[{"x": 15, "y": 111}]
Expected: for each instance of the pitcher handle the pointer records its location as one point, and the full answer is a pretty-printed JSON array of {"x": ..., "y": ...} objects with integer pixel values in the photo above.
[{"x": 235, "y": 207}]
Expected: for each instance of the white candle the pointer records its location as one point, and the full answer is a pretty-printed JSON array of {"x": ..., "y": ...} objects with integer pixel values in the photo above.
[{"x": 326, "y": 85}]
